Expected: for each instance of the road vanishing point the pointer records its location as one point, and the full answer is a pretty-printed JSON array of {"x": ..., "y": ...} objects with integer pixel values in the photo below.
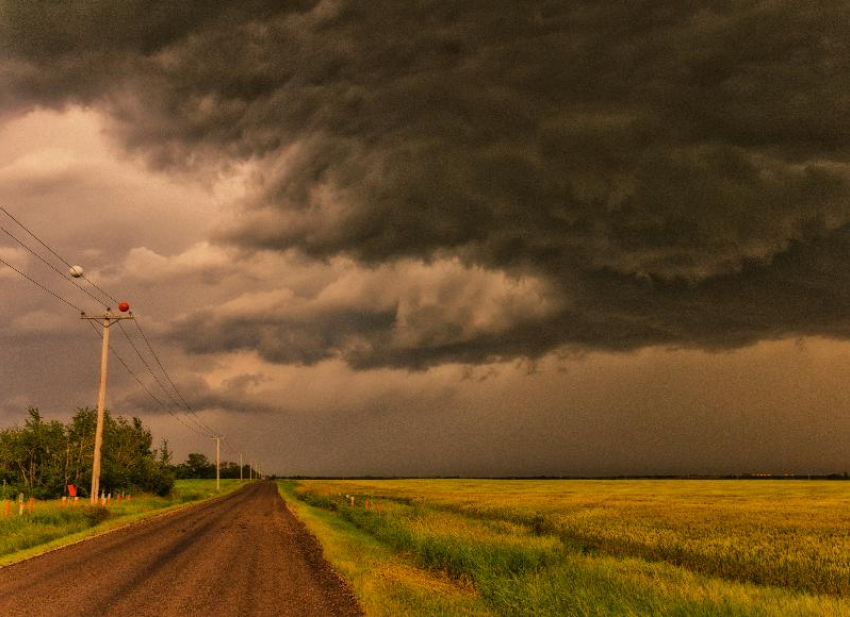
[{"x": 242, "y": 554}]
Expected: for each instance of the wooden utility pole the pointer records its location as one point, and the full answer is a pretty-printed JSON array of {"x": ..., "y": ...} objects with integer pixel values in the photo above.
[
  {"x": 106, "y": 321},
  {"x": 240, "y": 467},
  {"x": 217, "y": 463}
]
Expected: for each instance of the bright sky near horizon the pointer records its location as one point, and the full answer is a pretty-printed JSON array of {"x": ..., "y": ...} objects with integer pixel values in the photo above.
[{"x": 542, "y": 238}]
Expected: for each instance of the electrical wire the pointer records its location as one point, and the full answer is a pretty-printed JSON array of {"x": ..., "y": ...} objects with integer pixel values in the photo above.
[
  {"x": 44, "y": 287},
  {"x": 145, "y": 387},
  {"x": 205, "y": 431},
  {"x": 57, "y": 255},
  {"x": 168, "y": 377},
  {"x": 54, "y": 268},
  {"x": 157, "y": 379}
]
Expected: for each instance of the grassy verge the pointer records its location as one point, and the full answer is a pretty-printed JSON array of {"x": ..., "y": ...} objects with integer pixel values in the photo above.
[
  {"x": 386, "y": 583},
  {"x": 51, "y": 525},
  {"x": 524, "y": 551}
]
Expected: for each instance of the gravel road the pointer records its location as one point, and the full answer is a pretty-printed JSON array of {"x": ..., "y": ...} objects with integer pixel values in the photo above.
[{"x": 244, "y": 554}]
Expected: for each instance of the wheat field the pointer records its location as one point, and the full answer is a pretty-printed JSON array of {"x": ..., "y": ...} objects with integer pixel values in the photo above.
[{"x": 597, "y": 547}]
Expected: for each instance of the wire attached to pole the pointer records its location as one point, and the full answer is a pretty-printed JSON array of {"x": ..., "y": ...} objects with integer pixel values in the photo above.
[
  {"x": 54, "y": 268},
  {"x": 55, "y": 254},
  {"x": 205, "y": 430},
  {"x": 34, "y": 282}
]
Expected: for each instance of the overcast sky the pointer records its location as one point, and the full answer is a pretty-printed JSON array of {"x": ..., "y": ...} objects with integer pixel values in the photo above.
[{"x": 412, "y": 238}]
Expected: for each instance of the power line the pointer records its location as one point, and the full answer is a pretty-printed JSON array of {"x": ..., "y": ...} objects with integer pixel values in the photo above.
[
  {"x": 54, "y": 268},
  {"x": 112, "y": 349},
  {"x": 157, "y": 379},
  {"x": 57, "y": 255},
  {"x": 34, "y": 282},
  {"x": 110, "y": 296},
  {"x": 195, "y": 418},
  {"x": 164, "y": 372},
  {"x": 171, "y": 381},
  {"x": 145, "y": 387}
]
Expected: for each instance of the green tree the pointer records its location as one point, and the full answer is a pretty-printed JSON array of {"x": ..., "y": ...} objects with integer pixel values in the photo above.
[
  {"x": 198, "y": 466},
  {"x": 42, "y": 458}
]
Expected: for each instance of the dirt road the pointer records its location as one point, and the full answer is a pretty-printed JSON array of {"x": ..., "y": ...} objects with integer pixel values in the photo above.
[{"x": 244, "y": 554}]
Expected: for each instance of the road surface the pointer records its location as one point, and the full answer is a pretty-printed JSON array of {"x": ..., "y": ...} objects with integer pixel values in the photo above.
[{"x": 244, "y": 554}]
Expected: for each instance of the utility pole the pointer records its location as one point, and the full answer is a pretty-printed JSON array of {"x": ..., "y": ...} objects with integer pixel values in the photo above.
[
  {"x": 240, "y": 467},
  {"x": 217, "y": 463},
  {"x": 106, "y": 321}
]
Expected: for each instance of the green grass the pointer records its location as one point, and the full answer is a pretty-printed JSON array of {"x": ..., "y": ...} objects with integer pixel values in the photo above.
[
  {"x": 599, "y": 547},
  {"x": 385, "y": 583},
  {"x": 52, "y": 525}
]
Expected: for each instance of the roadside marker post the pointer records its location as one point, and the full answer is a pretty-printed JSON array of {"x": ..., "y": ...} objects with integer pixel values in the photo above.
[{"x": 106, "y": 321}]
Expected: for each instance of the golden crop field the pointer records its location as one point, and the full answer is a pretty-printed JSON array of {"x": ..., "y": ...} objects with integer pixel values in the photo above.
[{"x": 589, "y": 547}]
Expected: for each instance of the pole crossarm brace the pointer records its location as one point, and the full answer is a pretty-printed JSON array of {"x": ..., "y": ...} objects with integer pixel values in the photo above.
[
  {"x": 108, "y": 317},
  {"x": 105, "y": 320}
]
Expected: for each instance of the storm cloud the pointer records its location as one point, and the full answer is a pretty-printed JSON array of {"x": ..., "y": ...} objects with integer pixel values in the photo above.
[{"x": 655, "y": 173}]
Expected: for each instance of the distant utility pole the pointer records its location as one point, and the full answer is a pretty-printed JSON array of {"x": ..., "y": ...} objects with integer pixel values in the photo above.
[
  {"x": 105, "y": 320},
  {"x": 240, "y": 467},
  {"x": 217, "y": 462}
]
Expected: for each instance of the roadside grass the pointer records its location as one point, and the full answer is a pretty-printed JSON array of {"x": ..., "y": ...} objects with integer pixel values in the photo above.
[
  {"x": 52, "y": 525},
  {"x": 385, "y": 582},
  {"x": 596, "y": 547}
]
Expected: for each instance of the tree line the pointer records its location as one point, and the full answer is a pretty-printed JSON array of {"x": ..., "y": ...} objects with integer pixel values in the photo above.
[
  {"x": 197, "y": 465},
  {"x": 42, "y": 457}
]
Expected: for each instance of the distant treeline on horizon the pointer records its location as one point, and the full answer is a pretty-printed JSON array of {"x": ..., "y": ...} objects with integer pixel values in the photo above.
[{"x": 743, "y": 476}]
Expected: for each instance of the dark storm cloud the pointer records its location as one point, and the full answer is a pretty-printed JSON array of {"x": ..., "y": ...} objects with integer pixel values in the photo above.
[{"x": 677, "y": 173}]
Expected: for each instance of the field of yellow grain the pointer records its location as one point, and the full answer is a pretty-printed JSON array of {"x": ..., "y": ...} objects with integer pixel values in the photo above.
[{"x": 613, "y": 547}]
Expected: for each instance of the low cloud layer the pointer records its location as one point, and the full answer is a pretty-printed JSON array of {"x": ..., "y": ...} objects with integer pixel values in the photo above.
[
  {"x": 510, "y": 178},
  {"x": 406, "y": 314}
]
